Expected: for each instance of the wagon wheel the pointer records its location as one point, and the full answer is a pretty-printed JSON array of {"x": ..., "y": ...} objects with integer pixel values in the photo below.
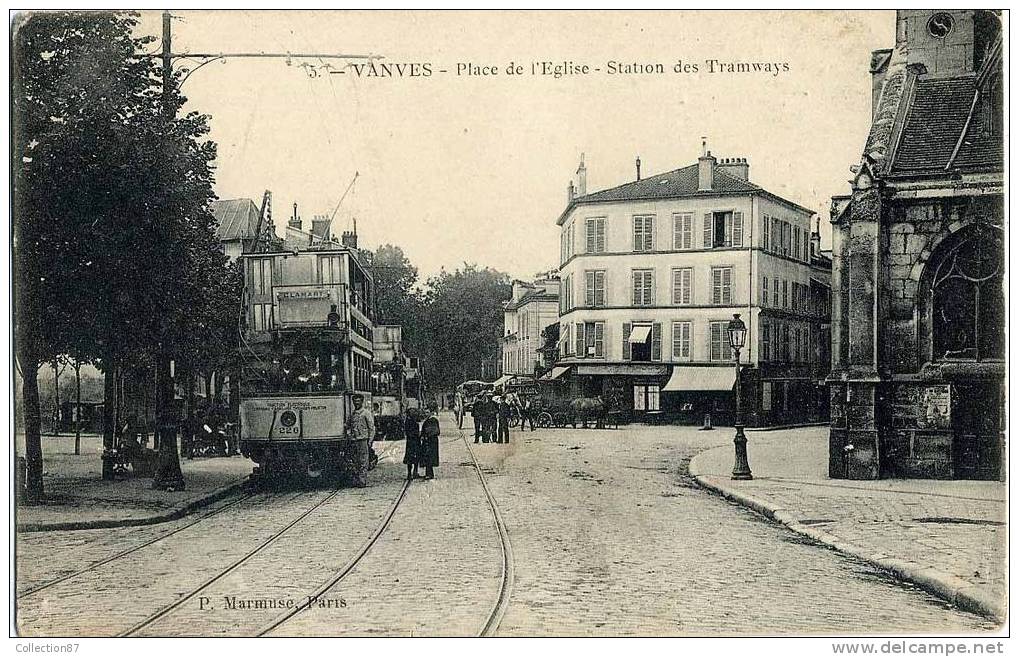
[
  {"x": 544, "y": 420},
  {"x": 560, "y": 420}
]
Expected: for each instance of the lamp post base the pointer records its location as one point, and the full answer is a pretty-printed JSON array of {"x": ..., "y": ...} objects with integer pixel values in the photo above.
[{"x": 741, "y": 470}]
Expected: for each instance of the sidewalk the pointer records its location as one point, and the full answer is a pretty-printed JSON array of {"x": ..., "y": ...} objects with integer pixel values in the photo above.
[
  {"x": 78, "y": 498},
  {"x": 948, "y": 537}
]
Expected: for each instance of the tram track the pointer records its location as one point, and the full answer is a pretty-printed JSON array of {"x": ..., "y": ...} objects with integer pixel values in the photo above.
[
  {"x": 129, "y": 551},
  {"x": 498, "y": 610},
  {"x": 492, "y": 619},
  {"x": 229, "y": 569}
]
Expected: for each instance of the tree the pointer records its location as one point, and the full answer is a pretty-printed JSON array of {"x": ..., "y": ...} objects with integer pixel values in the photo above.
[
  {"x": 463, "y": 320},
  {"x": 549, "y": 348},
  {"x": 397, "y": 301},
  {"x": 114, "y": 234}
]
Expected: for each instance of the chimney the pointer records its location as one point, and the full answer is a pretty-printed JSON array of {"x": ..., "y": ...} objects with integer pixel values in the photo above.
[
  {"x": 295, "y": 221},
  {"x": 570, "y": 193},
  {"x": 581, "y": 177},
  {"x": 638, "y": 168},
  {"x": 705, "y": 172},
  {"x": 737, "y": 167},
  {"x": 815, "y": 239},
  {"x": 349, "y": 239},
  {"x": 320, "y": 227}
]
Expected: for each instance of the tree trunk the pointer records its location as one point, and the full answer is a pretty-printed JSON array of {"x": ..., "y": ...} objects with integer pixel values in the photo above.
[
  {"x": 168, "y": 473},
  {"x": 109, "y": 414},
  {"x": 56, "y": 397},
  {"x": 77, "y": 407},
  {"x": 33, "y": 443}
]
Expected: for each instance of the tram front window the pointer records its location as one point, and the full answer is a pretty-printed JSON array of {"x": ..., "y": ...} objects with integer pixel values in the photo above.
[{"x": 307, "y": 370}]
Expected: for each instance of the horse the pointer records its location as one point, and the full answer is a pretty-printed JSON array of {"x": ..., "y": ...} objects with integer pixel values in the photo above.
[{"x": 585, "y": 409}]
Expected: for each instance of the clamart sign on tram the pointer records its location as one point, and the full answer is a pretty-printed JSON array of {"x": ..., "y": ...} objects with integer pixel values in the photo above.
[{"x": 292, "y": 419}]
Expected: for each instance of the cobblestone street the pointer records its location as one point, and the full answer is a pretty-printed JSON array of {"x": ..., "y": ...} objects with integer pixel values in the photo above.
[{"x": 609, "y": 536}]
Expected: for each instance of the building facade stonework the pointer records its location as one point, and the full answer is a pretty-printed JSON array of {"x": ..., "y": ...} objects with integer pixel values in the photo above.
[{"x": 917, "y": 386}]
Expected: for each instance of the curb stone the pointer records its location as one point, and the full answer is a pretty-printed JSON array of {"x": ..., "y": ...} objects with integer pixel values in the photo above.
[
  {"x": 173, "y": 514},
  {"x": 947, "y": 587}
]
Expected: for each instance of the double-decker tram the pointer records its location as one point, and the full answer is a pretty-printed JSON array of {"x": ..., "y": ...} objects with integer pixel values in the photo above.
[
  {"x": 397, "y": 384},
  {"x": 306, "y": 349}
]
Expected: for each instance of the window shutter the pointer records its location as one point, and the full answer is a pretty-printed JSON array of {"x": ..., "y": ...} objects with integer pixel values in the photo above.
[
  {"x": 687, "y": 273},
  {"x": 707, "y": 230},
  {"x": 589, "y": 278},
  {"x": 600, "y": 242},
  {"x": 650, "y": 282},
  {"x": 581, "y": 350},
  {"x": 656, "y": 341},
  {"x": 636, "y": 288},
  {"x": 765, "y": 232},
  {"x": 737, "y": 229},
  {"x": 677, "y": 231},
  {"x": 716, "y": 287},
  {"x": 599, "y": 288},
  {"x": 599, "y": 339},
  {"x": 626, "y": 340},
  {"x": 649, "y": 233},
  {"x": 728, "y": 230},
  {"x": 764, "y": 291},
  {"x": 727, "y": 285}
]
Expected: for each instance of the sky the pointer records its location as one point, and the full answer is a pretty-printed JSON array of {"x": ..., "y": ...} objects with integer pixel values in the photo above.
[{"x": 474, "y": 168}]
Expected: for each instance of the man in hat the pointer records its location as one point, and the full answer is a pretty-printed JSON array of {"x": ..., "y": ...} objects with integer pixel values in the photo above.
[
  {"x": 504, "y": 412},
  {"x": 360, "y": 431}
]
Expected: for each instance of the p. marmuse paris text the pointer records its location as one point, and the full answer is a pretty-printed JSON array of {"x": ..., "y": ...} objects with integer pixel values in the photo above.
[{"x": 235, "y": 603}]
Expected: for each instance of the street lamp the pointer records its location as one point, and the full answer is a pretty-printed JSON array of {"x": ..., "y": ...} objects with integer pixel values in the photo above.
[{"x": 737, "y": 332}]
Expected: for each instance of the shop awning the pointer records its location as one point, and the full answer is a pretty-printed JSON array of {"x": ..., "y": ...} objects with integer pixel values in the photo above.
[
  {"x": 555, "y": 373},
  {"x": 502, "y": 379},
  {"x": 688, "y": 378},
  {"x": 628, "y": 369},
  {"x": 639, "y": 334}
]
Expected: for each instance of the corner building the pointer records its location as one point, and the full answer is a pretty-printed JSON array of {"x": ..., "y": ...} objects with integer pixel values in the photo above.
[{"x": 653, "y": 270}]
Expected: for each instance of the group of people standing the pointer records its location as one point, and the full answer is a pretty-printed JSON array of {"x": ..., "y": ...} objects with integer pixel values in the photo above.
[
  {"x": 421, "y": 442},
  {"x": 492, "y": 416}
]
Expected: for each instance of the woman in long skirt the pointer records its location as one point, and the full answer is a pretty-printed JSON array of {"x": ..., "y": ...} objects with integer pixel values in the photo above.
[
  {"x": 429, "y": 456},
  {"x": 412, "y": 446}
]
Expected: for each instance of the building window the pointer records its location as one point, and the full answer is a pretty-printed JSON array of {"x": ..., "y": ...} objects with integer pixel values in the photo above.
[
  {"x": 682, "y": 231},
  {"x": 594, "y": 288},
  {"x": 644, "y": 233},
  {"x": 721, "y": 286},
  {"x": 682, "y": 287},
  {"x": 764, "y": 291},
  {"x": 785, "y": 344},
  {"x": 765, "y": 341},
  {"x": 262, "y": 275},
  {"x": 646, "y": 398},
  {"x": 796, "y": 345},
  {"x": 643, "y": 287},
  {"x": 787, "y": 243},
  {"x": 642, "y": 342},
  {"x": 766, "y": 232},
  {"x": 785, "y": 294},
  {"x": 766, "y": 396},
  {"x": 967, "y": 303},
  {"x": 596, "y": 235},
  {"x": 590, "y": 337},
  {"x": 719, "y": 348},
  {"x": 330, "y": 270},
  {"x": 262, "y": 316},
  {"x": 795, "y": 290},
  {"x": 681, "y": 340},
  {"x": 723, "y": 229},
  {"x": 796, "y": 242}
]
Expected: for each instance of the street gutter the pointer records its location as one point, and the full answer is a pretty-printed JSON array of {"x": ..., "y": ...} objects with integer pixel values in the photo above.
[
  {"x": 945, "y": 586},
  {"x": 175, "y": 513}
]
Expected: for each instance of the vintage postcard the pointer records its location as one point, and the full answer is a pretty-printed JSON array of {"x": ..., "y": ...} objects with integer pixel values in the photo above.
[{"x": 510, "y": 324}]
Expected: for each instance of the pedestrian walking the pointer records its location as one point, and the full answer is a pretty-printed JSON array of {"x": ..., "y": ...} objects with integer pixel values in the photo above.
[
  {"x": 504, "y": 413},
  {"x": 488, "y": 419},
  {"x": 412, "y": 445},
  {"x": 361, "y": 430},
  {"x": 430, "y": 443}
]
